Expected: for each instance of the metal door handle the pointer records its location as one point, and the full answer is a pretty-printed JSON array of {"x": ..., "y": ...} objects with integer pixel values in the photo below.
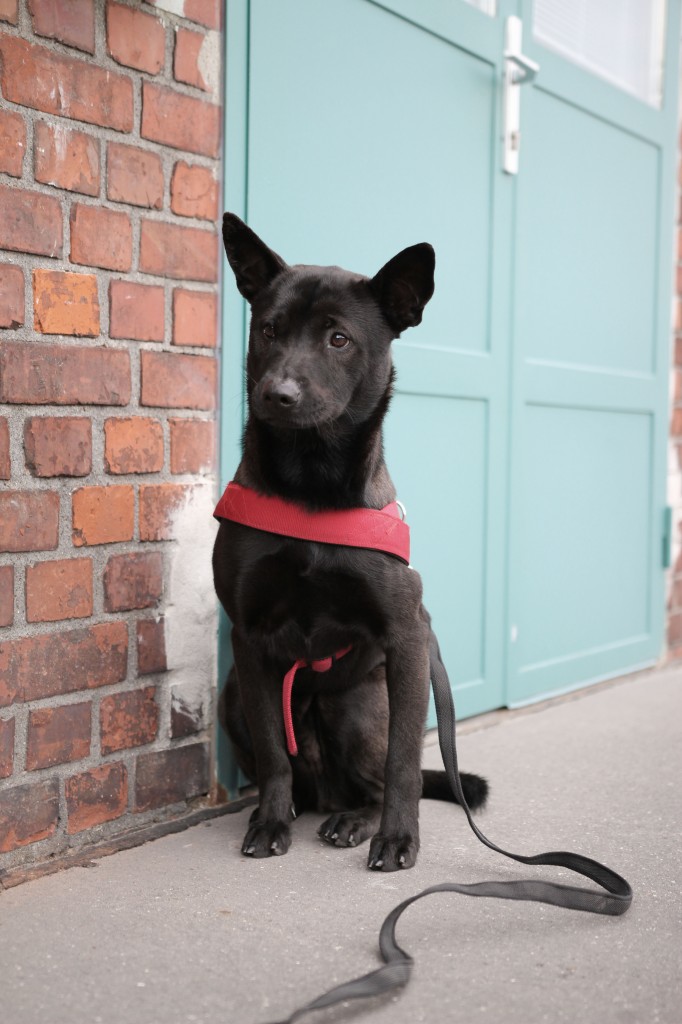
[
  {"x": 527, "y": 68},
  {"x": 518, "y": 69}
]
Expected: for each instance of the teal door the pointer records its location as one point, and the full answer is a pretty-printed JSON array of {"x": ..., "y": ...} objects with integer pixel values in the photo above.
[
  {"x": 590, "y": 336},
  {"x": 527, "y": 435}
]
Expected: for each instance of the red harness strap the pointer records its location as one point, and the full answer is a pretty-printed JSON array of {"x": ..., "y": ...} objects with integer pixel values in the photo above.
[
  {"x": 380, "y": 529},
  {"x": 376, "y": 529},
  {"x": 321, "y": 665}
]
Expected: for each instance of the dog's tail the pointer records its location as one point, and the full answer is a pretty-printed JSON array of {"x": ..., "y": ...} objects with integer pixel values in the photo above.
[{"x": 436, "y": 787}]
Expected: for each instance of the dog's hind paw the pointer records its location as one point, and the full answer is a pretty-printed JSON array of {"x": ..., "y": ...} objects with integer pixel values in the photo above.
[
  {"x": 391, "y": 853},
  {"x": 267, "y": 839},
  {"x": 348, "y": 828}
]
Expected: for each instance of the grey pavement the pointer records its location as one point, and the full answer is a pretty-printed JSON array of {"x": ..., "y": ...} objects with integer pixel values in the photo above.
[{"x": 184, "y": 929}]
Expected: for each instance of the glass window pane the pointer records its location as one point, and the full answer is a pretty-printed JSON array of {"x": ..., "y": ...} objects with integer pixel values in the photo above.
[{"x": 619, "y": 40}]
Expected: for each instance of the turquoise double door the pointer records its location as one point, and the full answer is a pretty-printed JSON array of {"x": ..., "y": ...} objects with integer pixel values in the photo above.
[{"x": 527, "y": 436}]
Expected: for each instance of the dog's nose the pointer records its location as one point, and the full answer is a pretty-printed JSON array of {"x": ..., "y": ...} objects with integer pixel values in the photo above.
[{"x": 284, "y": 392}]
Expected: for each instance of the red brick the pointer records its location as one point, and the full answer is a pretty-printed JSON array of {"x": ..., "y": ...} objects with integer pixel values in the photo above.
[
  {"x": 676, "y": 423},
  {"x": 158, "y": 505},
  {"x": 12, "y": 143},
  {"x": 5, "y": 457},
  {"x": 128, "y": 719},
  {"x": 194, "y": 192},
  {"x": 133, "y": 581},
  {"x": 37, "y": 77},
  {"x": 103, "y": 515},
  {"x": 136, "y": 311},
  {"x": 101, "y": 238},
  {"x": 172, "y": 251},
  {"x": 151, "y": 647},
  {"x": 28, "y": 814},
  {"x": 30, "y": 221},
  {"x": 9, "y": 11},
  {"x": 11, "y": 295},
  {"x": 206, "y": 12},
  {"x": 134, "y": 176},
  {"x": 180, "y": 121},
  {"x": 48, "y": 664},
  {"x": 192, "y": 446},
  {"x": 7, "y": 596},
  {"x": 96, "y": 796},
  {"x": 29, "y": 520},
  {"x": 70, "y": 21},
  {"x": 133, "y": 445},
  {"x": 135, "y": 39},
  {"x": 186, "y": 58},
  {"x": 59, "y": 590},
  {"x": 66, "y": 158},
  {"x": 56, "y": 735},
  {"x": 64, "y": 375},
  {"x": 65, "y": 303},
  {"x": 675, "y": 629},
  {"x": 195, "y": 318},
  {"x": 171, "y": 776},
  {"x": 6, "y": 747},
  {"x": 58, "y": 445},
  {"x": 177, "y": 381},
  {"x": 186, "y": 720}
]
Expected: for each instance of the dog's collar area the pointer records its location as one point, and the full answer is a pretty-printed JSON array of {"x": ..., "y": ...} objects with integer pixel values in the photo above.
[
  {"x": 320, "y": 665},
  {"x": 372, "y": 528}
]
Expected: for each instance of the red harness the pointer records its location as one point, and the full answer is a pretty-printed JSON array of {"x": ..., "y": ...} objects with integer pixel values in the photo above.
[{"x": 376, "y": 529}]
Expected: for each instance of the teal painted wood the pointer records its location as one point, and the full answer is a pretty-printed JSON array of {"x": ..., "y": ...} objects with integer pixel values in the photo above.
[
  {"x": 233, "y": 337},
  {"x": 594, "y": 214},
  {"x": 349, "y": 166}
]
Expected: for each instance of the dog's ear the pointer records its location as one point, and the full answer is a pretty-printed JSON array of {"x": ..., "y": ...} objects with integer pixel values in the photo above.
[
  {"x": 254, "y": 265},
  {"x": 404, "y": 285}
]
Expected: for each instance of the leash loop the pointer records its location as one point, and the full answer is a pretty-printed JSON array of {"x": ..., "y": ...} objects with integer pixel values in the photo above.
[{"x": 614, "y": 900}]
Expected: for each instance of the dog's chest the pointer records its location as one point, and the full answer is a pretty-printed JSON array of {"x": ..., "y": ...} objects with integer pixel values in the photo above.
[{"x": 307, "y": 605}]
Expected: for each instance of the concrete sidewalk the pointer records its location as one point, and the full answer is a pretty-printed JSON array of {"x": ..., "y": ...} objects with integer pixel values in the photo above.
[{"x": 184, "y": 929}]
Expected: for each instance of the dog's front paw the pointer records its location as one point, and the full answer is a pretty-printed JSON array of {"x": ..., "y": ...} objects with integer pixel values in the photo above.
[
  {"x": 267, "y": 839},
  {"x": 391, "y": 853}
]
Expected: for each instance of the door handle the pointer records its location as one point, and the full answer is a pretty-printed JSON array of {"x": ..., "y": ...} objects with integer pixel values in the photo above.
[{"x": 518, "y": 69}]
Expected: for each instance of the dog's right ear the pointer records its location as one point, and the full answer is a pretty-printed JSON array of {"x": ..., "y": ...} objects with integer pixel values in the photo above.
[{"x": 254, "y": 265}]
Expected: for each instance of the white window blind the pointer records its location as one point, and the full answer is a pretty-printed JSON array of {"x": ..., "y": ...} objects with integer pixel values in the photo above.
[{"x": 619, "y": 40}]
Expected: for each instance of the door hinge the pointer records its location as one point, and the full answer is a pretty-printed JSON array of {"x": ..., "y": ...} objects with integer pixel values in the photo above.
[{"x": 667, "y": 541}]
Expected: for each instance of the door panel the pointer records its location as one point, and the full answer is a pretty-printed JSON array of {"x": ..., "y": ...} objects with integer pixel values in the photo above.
[
  {"x": 587, "y": 240},
  {"x": 361, "y": 143},
  {"x": 584, "y": 539},
  {"x": 590, "y": 333},
  {"x": 449, "y": 534}
]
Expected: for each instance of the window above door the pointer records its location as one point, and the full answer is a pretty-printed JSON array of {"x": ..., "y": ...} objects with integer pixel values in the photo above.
[{"x": 622, "y": 41}]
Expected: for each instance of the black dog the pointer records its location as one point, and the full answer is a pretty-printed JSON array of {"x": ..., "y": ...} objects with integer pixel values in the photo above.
[{"x": 319, "y": 381}]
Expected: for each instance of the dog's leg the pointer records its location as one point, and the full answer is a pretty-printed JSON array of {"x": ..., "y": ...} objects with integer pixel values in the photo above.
[
  {"x": 268, "y": 833},
  {"x": 407, "y": 677}
]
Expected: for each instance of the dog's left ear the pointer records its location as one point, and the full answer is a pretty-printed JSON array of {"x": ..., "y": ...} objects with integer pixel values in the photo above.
[
  {"x": 404, "y": 285},
  {"x": 254, "y": 265}
]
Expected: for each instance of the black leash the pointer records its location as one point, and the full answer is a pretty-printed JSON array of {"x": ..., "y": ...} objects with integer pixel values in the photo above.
[{"x": 615, "y": 898}]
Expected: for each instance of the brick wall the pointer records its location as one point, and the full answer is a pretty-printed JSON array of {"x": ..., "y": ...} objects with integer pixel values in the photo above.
[{"x": 109, "y": 167}]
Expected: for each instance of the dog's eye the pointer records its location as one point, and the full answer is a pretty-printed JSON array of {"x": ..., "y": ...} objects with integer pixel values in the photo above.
[
  {"x": 269, "y": 332},
  {"x": 338, "y": 340}
]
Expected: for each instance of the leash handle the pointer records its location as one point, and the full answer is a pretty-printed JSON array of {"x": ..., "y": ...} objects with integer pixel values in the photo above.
[{"x": 614, "y": 899}]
